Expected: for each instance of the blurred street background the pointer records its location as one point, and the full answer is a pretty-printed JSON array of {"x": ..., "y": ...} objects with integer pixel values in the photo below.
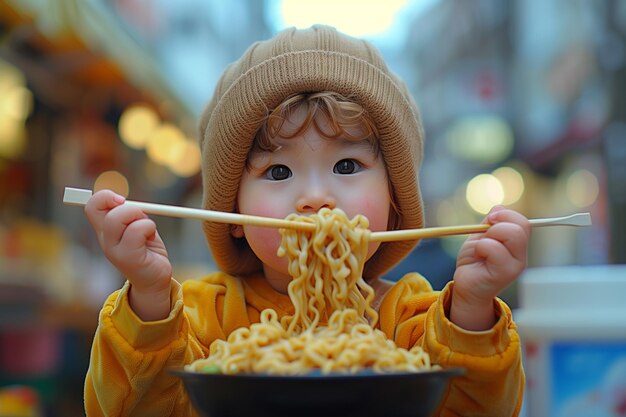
[{"x": 523, "y": 104}]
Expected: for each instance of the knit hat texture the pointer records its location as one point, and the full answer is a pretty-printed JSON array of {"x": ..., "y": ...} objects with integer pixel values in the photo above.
[{"x": 296, "y": 61}]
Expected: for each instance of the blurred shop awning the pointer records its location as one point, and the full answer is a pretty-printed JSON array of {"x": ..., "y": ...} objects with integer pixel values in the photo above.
[{"x": 66, "y": 46}]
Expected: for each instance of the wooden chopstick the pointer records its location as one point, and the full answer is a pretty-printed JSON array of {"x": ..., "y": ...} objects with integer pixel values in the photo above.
[
  {"x": 79, "y": 197},
  {"x": 578, "y": 219}
]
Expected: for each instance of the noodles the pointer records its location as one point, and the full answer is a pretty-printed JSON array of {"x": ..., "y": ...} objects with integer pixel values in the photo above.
[
  {"x": 333, "y": 325},
  {"x": 327, "y": 269}
]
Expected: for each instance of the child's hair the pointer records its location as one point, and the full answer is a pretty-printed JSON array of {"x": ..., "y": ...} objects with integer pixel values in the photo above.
[
  {"x": 344, "y": 119},
  {"x": 307, "y": 62},
  {"x": 340, "y": 113}
]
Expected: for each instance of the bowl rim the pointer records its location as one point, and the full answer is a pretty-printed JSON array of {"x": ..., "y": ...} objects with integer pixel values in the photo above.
[{"x": 451, "y": 372}]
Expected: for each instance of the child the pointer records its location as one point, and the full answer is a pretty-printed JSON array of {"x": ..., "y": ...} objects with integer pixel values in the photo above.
[{"x": 309, "y": 119}]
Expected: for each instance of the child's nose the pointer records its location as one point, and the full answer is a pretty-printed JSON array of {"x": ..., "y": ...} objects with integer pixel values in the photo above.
[{"x": 314, "y": 199}]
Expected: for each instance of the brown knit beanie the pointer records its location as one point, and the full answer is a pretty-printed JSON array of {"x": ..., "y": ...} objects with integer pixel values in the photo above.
[{"x": 297, "y": 61}]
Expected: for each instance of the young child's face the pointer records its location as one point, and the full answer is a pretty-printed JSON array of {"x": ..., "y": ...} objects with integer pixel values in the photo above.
[{"x": 308, "y": 172}]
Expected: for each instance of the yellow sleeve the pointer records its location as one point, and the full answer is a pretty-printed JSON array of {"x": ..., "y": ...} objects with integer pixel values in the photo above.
[
  {"x": 493, "y": 385},
  {"x": 130, "y": 359}
]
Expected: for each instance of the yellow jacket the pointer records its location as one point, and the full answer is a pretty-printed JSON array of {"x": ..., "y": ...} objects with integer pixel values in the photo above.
[{"x": 130, "y": 359}]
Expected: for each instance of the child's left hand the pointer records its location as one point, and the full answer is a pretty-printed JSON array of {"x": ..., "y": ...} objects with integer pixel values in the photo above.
[{"x": 486, "y": 264}]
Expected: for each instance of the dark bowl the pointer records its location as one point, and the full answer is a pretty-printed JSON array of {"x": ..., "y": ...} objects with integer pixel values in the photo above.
[{"x": 364, "y": 394}]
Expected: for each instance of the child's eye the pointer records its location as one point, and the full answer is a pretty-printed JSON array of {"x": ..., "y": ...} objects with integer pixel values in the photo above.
[
  {"x": 346, "y": 166},
  {"x": 278, "y": 173}
]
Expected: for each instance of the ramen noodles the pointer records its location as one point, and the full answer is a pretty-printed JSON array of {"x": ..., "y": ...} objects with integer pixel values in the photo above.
[{"x": 333, "y": 328}]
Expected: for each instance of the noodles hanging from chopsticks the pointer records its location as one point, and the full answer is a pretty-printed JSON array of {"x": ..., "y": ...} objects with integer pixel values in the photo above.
[{"x": 333, "y": 325}]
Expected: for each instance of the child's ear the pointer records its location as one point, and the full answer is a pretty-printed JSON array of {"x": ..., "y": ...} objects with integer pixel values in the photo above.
[{"x": 236, "y": 231}]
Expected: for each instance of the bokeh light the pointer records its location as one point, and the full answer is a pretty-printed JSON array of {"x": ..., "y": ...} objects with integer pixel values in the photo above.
[
  {"x": 188, "y": 162},
  {"x": 483, "y": 192},
  {"x": 582, "y": 188},
  {"x": 512, "y": 184},
  {"x": 483, "y": 139},
  {"x": 112, "y": 180},
  {"x": 16, "y": 102},
  {"x": 165, "y": 144},
  {"x": 374, "y": 17},
  {"x": 12, "y": 138},
  {"x": 137, "y": 124}
]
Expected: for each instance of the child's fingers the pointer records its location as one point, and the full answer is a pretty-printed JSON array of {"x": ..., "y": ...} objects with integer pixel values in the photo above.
[
  {"x": 477, "y": 236},
  {"x": 99, "y": 205},
  {"x": 492, "y": 251},
  {"x": 138, "y": 233},
  {"x": 500, "y": 215},
  {"x": 512, "y": 236},
  {"x": 499, "y": 261},
  {"x": 131, "y": 248},
  {"x": 512, "y": 229},
  {"x": 117, "y": 221}
]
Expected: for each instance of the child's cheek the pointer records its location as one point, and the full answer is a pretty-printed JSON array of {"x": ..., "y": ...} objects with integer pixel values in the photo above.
[
  {"x": 266, "y": 207},
  {"x": 264, "y": 242},
  {"x": 376, "y": 211}
]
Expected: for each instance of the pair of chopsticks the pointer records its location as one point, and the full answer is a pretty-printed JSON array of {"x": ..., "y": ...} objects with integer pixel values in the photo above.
[{"x": 79, "y": 197}]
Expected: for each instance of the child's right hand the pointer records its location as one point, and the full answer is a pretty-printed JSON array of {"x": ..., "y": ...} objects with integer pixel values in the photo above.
[{"x": 130, "y": 241}]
